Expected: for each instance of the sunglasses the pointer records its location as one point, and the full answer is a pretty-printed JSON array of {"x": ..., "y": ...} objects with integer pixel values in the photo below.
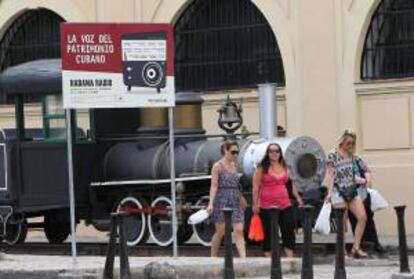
[
  {"x": 274, "y": 151},
  {"x": 234, "y": 152},
  {"x": 350, "y": 143}
]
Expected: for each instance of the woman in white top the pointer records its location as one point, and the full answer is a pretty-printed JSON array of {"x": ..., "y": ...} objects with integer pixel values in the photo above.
[{"x": 341, "y": 180}]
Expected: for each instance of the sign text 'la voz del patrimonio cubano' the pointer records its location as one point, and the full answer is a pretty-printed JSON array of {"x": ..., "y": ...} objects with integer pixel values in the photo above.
[{"x": 117, "y": 65}]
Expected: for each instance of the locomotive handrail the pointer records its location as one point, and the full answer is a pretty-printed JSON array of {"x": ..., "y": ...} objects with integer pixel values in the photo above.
[
  {"x": 133, "y": 137},
  {"x": 149, "y": 181},
  {"x": 3, "y": 134}
]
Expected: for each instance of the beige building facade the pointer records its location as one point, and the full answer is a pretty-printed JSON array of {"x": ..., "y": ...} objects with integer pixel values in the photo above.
[{"x": 321, "y": 43}]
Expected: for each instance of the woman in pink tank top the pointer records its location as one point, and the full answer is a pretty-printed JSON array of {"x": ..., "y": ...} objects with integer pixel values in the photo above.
[{"x": 270, "y": 191}]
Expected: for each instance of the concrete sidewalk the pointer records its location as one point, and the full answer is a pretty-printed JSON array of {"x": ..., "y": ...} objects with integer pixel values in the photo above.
[
  {"x": 45, "y": 267},
  {"x": 327, "y": 272},
  {"x": 355, "y": 269},
  {"x": 386, "y": 241},
  {"x": 89, "y": 234},
  {"x": 390, "y": 243}
]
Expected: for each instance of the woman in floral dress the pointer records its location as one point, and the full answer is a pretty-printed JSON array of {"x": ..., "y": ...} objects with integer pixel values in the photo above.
[{"x": 224, "y": 192}]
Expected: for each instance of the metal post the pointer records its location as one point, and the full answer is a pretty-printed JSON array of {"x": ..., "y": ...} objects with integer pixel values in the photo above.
[
  {"x": 69, "y": 144},
  {"x": 340, "y": 272},
  {"x": 228, "y": 242},
  {"x": 275, "y": 269},
  {"x": 19, "y": 111},
  {"x": 110, "y": 253},
  {"x": 172, "y": 174},
  {"x": 267, "y": 110},
  {"x": 123, "y": 252},
  {"x": 307, "y": 261},
  {"x": 402, "y": 240}
]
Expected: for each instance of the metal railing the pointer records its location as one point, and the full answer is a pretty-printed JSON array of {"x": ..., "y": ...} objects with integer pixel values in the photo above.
[{"x": 118, "y": 232}]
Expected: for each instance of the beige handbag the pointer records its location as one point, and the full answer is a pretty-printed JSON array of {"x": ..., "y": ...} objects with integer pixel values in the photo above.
[{"x": 243, "y": 201}]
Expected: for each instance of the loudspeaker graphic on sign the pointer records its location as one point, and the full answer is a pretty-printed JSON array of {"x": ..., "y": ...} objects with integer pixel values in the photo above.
[{"x": 144, "y": 57}]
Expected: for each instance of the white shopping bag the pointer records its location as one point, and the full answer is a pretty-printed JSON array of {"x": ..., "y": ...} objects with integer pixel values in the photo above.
[
  {"x": 377, "y": 200},
  {"x": 323, "y": 224},
  {"x": 198, "y": 217}
]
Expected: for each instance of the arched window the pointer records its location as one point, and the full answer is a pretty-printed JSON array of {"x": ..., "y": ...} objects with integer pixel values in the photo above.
[
  {"x": 225, "y": 45},
  {"x": 389, "y": 45},
  {"x": 33, "y": 35}
]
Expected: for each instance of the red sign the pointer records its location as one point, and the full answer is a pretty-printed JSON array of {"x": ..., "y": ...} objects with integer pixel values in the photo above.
[
  {"x": 97, "y": 47},
  {"x": 118, "y": 62}
]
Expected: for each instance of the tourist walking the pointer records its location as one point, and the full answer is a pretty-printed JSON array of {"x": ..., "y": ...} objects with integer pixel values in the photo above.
[
  {"x": 342, "y": 190},
  {"x": 270, "y": 190},
  {"x": 225, "y": 192}
]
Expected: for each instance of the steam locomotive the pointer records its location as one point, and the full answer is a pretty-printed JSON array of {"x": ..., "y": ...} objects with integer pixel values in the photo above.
[{"x": 122, "y": 161}]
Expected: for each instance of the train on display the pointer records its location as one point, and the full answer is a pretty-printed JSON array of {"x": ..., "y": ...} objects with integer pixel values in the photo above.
[{"x": 122, "y": 162}]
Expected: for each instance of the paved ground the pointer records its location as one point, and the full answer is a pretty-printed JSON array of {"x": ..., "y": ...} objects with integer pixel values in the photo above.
[
  {"x": 368, "y": 269},
  {"x": 24, "y": 267},
  {"x": 45, "y": 267},
  {"x": 327, "y": 272},
  {"x": 89, "y": 234}
]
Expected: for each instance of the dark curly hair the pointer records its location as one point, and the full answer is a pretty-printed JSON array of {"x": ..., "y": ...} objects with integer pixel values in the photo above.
[{"x": 265, "y": 163}]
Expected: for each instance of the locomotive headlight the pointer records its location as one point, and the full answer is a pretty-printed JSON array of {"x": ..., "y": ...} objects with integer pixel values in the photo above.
[{"x": 307, "y": 165}]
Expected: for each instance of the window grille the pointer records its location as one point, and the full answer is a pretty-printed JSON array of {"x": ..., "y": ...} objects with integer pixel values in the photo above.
[
  {"x": 389, "y": 44},
  {"x": 33, "y": 35},
  {"x": 225, "y": 45}
]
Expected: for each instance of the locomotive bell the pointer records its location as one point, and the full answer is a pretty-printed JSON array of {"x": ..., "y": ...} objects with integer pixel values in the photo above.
[{"x": 230, "y": 118}]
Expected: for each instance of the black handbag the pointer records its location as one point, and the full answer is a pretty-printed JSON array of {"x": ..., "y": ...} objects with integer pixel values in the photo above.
[{"x": 349, "y": 193}]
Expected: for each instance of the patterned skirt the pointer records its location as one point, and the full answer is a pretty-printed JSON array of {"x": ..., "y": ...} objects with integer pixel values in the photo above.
[{"x": 227, "y": 197}]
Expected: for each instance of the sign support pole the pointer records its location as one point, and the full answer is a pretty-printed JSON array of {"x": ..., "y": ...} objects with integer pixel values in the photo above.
[
  {"x": 69, "y": 144},
  {"x": 172, "y": 174}
]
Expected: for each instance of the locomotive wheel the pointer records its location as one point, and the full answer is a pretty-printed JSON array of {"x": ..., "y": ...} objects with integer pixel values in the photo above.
[
  {"x": 15, "y": 232},
  {"x": 160, "y": 226},
  {"x": 56, "y": 228},
  {"x": 185, "y": 231},
  {"x": 135, "y": 226},
  {"x": 204, "y": 231}
]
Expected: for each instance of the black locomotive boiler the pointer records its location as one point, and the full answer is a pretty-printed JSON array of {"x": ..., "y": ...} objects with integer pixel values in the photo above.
[{"x": 120, "y": 162}]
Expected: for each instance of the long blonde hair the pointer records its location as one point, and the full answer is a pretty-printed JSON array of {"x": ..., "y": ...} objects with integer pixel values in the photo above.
[{"x": 347, "y": 133}]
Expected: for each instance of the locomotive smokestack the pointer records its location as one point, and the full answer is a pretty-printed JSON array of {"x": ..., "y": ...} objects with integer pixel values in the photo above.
[{"x": 267, "y": 110}]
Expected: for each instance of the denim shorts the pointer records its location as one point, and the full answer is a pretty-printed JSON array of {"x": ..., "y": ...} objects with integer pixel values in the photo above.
[{"x": 337, "y": 199}]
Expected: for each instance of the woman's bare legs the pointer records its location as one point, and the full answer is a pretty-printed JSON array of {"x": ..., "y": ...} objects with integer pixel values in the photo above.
[
  {"x": 288, "y": 252},
  {"x": 357, "y": 208},
  {"x": 239, "y": 239},
  {"x": 217, "y": 238}
]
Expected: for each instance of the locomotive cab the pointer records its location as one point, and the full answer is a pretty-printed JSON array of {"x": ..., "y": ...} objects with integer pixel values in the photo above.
[{"x": 33, "y": 168}]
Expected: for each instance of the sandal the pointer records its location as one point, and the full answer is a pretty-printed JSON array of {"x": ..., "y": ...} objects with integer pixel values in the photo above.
[
  {"x": 346, "y": 255},
  {"x": 358, "y": 253}
]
